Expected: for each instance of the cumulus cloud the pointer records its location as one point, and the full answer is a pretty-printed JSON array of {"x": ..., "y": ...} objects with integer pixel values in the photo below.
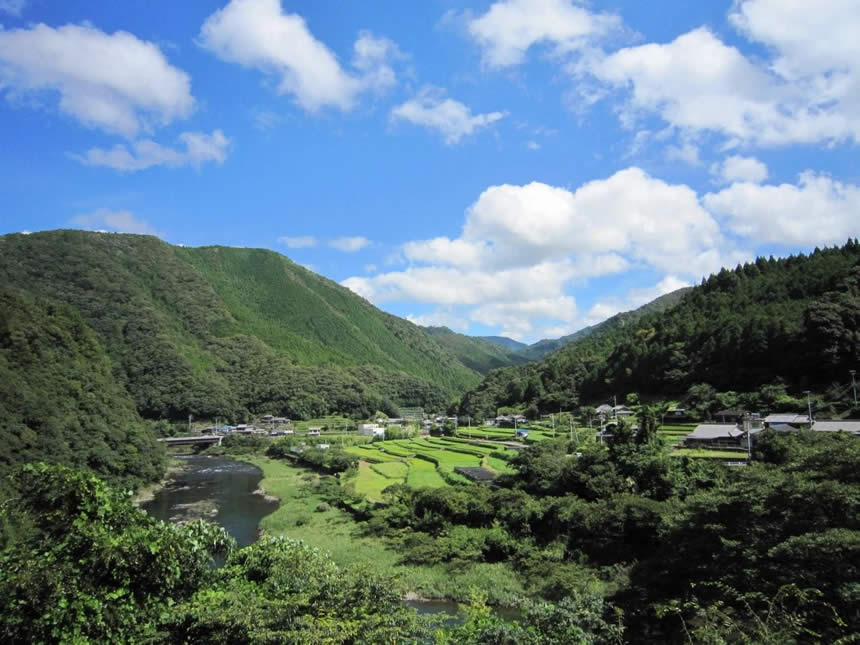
[
  {"x": 511, "y": 27},
  {"x": 199, "y": 148},
  {"x": 806, "y": 89},
  {"x": 818, "y": 210},
  {"x": 739, "y": 169},
  {"x": 451, "y": 119},
  {"x": 258, "y": 34},
  {"x": 349, "y": 244},
  {"x": 301, "y": 242},
  {"x": 117, "y": 221},
  {"x": 113, "y": 82},
  {"x": 523, "y": 248}
]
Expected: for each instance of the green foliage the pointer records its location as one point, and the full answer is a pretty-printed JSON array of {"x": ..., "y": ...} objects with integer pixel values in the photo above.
[
  {"x": 59, "y": 400},
  {"x": 92, "y": 567},
  {"x": 282, "y": 590},
  {"x": 220, "y": 332},
  {"x": 793, "y": 319}
]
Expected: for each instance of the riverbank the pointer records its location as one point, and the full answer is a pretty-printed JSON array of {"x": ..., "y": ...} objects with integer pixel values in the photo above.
[
  {"x": 147, "y": 493},
  {"x": 305, "y": 515}
]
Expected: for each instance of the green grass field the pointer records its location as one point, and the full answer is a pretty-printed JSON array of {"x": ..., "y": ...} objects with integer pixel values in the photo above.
[
  {"x": 304, "y": 516},
  {"x": 423, "y": 474},
  {"x": 370, "y": 483}
]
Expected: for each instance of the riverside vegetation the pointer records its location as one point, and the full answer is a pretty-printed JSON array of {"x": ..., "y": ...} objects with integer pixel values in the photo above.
[{"x": 107, "y": 340}]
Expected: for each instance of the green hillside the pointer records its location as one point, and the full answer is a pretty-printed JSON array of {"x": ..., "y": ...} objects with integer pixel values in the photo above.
[
  {"x": 59, "y": 401},
  {"x": 222, "y": 331},
  {"x": 793, "y": 321},
  {"x": 506, "y": 342},
  {"x": 480, "y": 354},
  {"x": 546, "y": 346}
]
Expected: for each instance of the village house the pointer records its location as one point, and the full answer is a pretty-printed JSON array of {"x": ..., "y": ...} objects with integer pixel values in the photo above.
[{"x": 371, "y": 430}]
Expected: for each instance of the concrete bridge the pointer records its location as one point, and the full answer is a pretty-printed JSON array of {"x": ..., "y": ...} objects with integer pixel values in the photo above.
[{"x": 201, "y": 440}]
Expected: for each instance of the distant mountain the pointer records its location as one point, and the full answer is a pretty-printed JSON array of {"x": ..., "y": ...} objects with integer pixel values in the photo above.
[
  {"x": 546, "y": 347},
  {"x": 480, "y": 354},
  {"x": 750, "y": 332},
  {"x": 219, "y": 331},
  {"x": 504, "y": 341}
]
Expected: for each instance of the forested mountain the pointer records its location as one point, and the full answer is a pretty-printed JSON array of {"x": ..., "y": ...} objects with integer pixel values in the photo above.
[
  {"x": 475, "y": 352},
  {"x": 223, "y": 332},
  {"x": 547, "y": 346},
  {"x": 59, "y": 400},
  {"x": 794, "y": 320},
  {"x": 504, "y": 341}
]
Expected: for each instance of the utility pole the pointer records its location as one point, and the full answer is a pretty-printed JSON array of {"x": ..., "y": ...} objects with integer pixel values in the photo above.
[
  {"x": 552, "y": 418},
  {"x": 854, "y": 386},
  {"x": 808, "y": 406}
]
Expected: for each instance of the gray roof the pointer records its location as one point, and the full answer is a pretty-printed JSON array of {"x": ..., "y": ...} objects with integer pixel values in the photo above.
[
  {"x": 715, "y": 431},
  {"x": 786, "y": 418},
  {"x": 848, "y": 425}
]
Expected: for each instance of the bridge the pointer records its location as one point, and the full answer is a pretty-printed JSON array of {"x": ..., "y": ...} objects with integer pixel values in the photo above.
[{"x": 201, "y": 440}]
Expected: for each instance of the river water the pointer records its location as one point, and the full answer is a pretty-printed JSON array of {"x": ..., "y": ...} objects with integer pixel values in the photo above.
[
  {"x": 218, "y": 489},
  {"x": 222, "y": 491}
]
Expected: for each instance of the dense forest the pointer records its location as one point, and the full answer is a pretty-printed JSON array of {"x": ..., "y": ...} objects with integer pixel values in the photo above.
[
  {"x": 791, "y": 321},
  {"x": 225, "y": 332},
  {"x": 59, "y": 400},
  {"x": 614, "y": 544}
]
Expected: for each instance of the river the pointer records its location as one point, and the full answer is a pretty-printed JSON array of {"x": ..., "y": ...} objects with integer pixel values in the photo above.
[
  {"x": 222, "y": 490},
  {"x": 217, "y": 489}
]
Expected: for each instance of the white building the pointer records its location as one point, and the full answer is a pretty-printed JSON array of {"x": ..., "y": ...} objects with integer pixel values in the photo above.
[{"x": 371, "y": 430}]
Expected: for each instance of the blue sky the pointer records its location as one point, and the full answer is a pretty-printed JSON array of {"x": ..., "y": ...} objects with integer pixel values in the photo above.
[{"x": 521, "y": 167}]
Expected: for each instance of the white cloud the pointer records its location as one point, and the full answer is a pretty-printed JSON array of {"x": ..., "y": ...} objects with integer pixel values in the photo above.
[
  {"x": 114, "y": 82},
  {"x": 118, "y": 221},
  {"x": 258, "y": 34},
  {"x": 741, "y": 169},
  {"x": 634, "y": 299},
  {"x": 13, "y": 7},
  {"x": 510, "y": 27},
  {"x": 349, "y": 244},
  {"x": 522, "y": 248},
  {"x": 629, "y": 215},
  {"x": 644, "y": 295},
  {"x": 200, "y": 148},
  {"x": 532, "y": 145},
  {"x": 371, "y": 56},
  {"x": 686, "y": 152},
  {"x": 440, "y": 318},
  {"x": 805, "y": 89},
  {"x": 818, "y": 210},
  {"x": 301, "y": 242},
  {"x": 450, "y": 118}
]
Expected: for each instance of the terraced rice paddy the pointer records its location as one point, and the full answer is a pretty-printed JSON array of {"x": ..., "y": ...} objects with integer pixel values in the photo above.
[{"x": 421, "y": 463}]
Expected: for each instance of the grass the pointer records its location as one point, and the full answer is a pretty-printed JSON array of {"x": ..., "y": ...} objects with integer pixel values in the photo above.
[
  {"x": 371, "y": 483},
  {"x": 336, "y": 532},
  {"x": 498, "y": 465},
  {"x": 423, "y": 474},
  {"x": 392, "y": 469}
]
